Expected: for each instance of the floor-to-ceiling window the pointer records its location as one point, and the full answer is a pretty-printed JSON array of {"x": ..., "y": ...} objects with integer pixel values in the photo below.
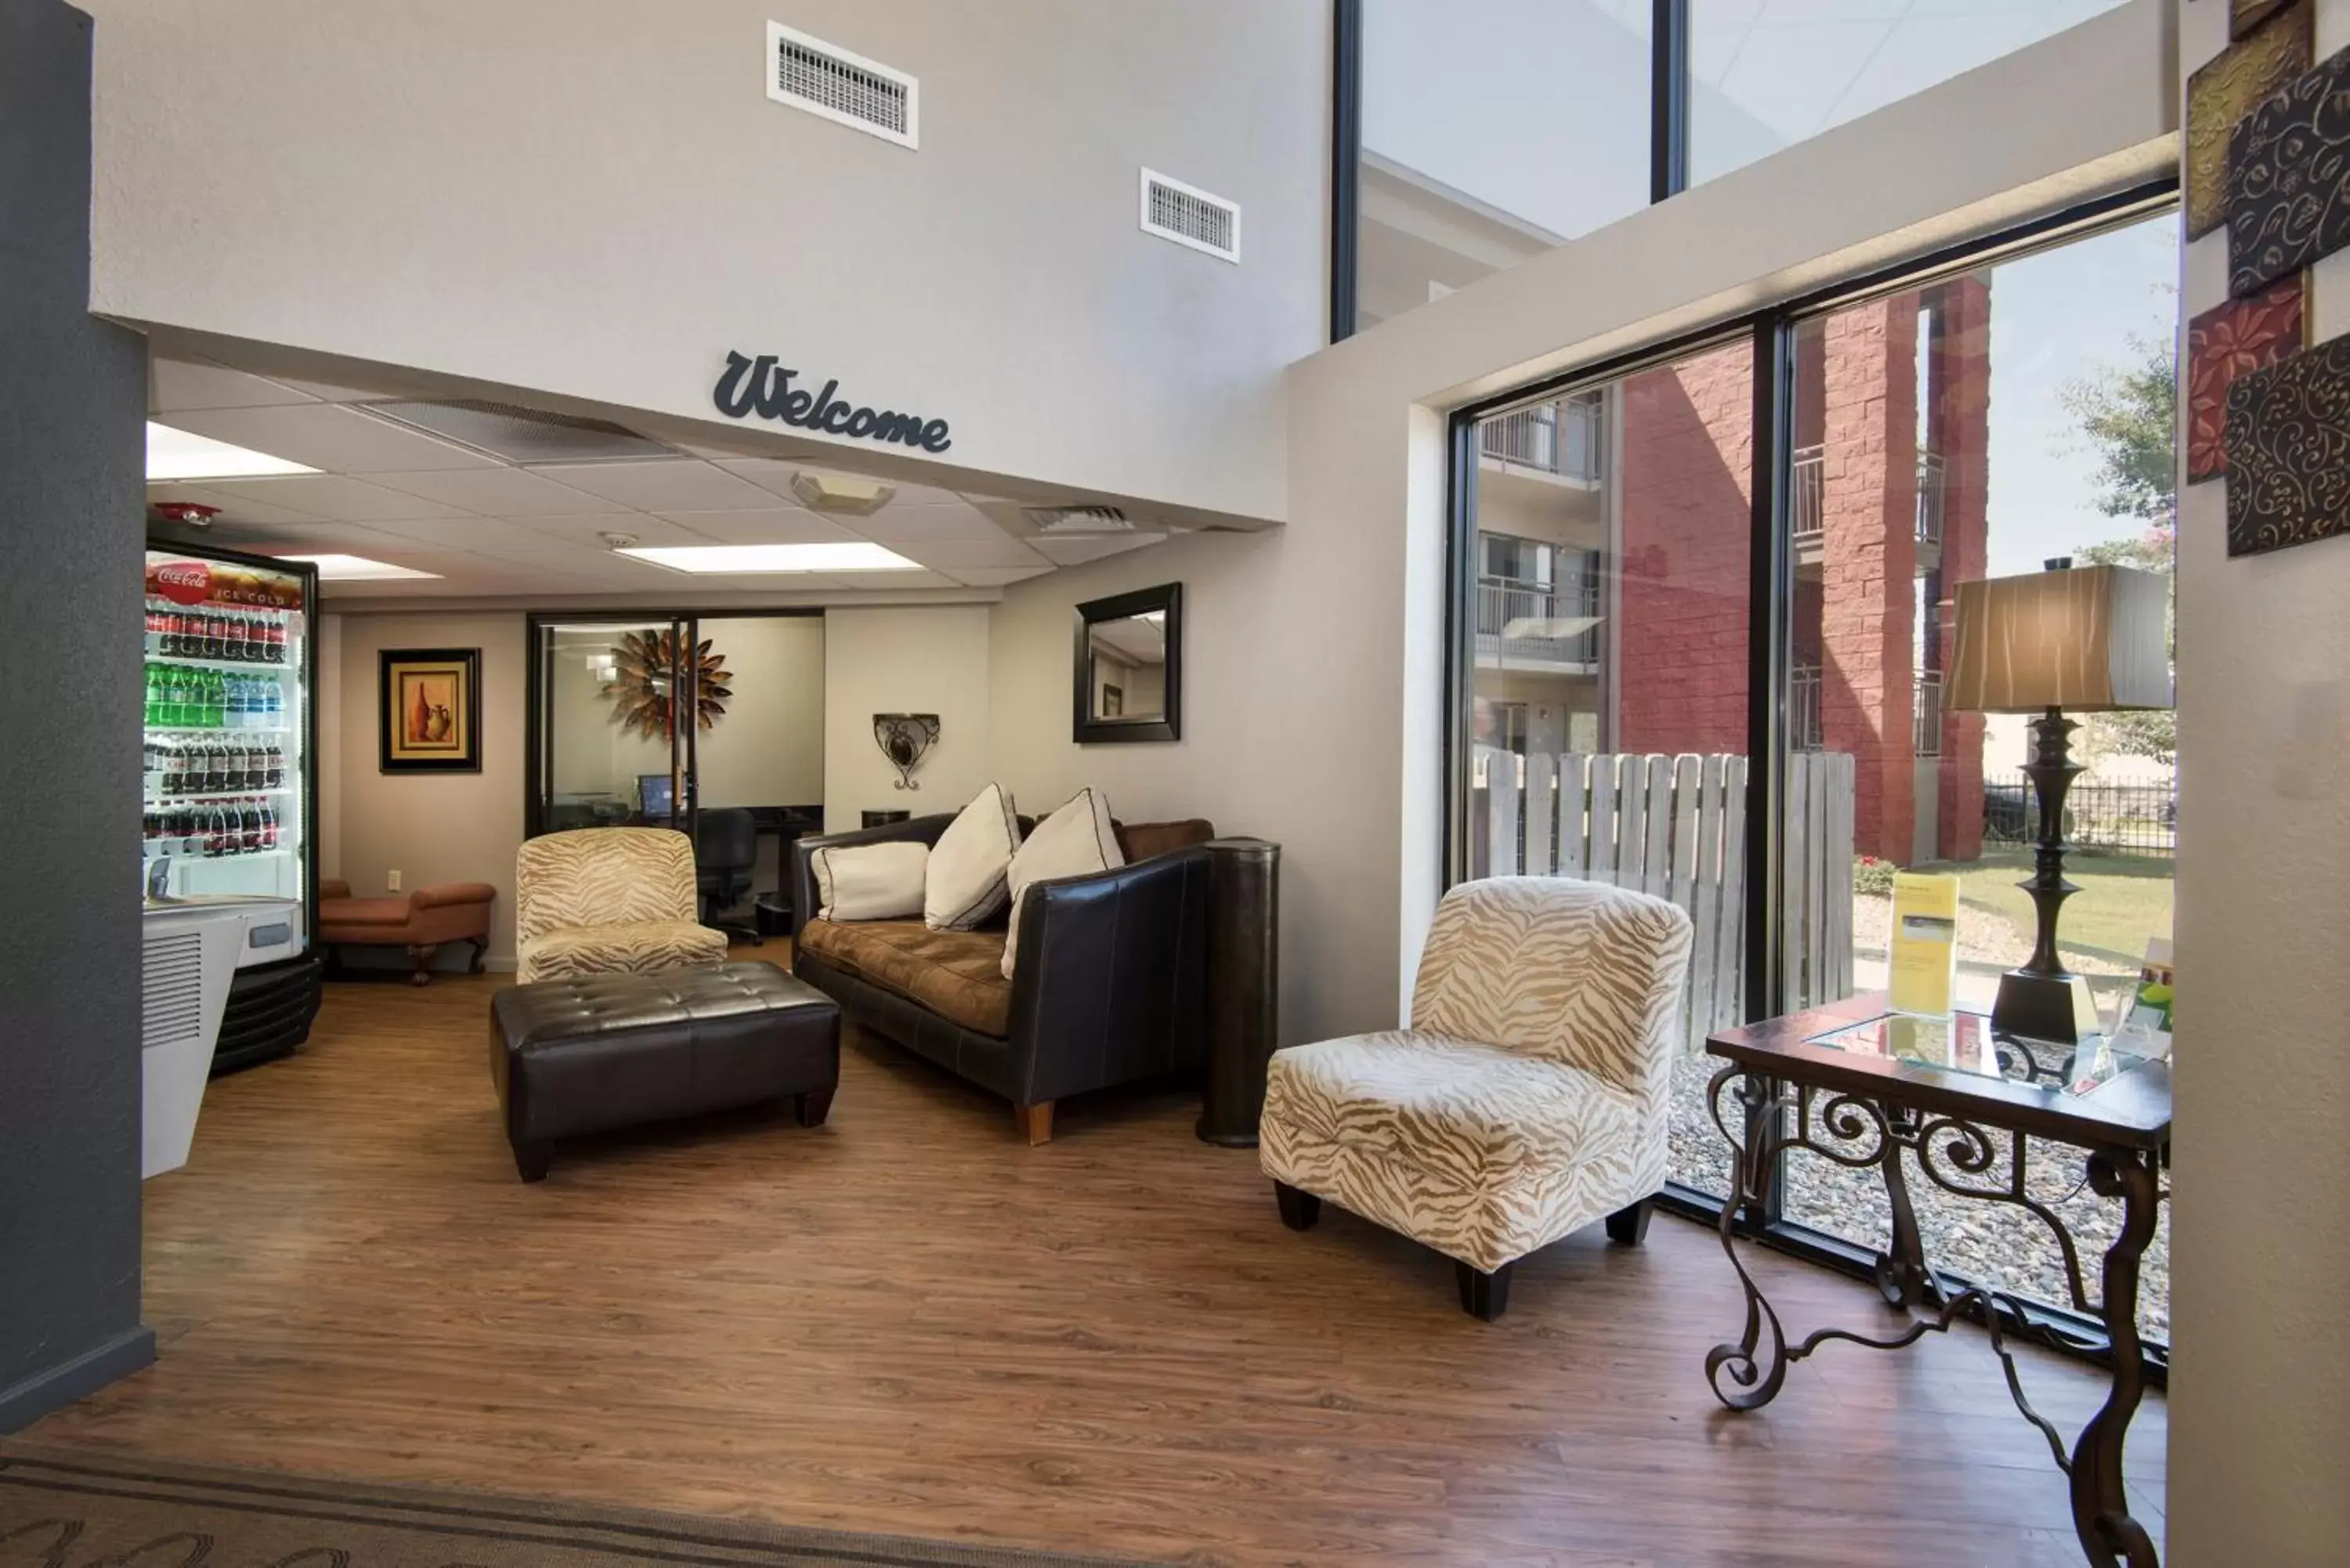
[
  {"x": 1621, "y": 683},
  {"x": 1472, "y": 134},
  {"x": 1982, "y": 425}
]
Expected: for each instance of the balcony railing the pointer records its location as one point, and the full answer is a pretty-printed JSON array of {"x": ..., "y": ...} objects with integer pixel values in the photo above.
[
  {"x": 1563, "y": 438},
  {"x": 1803, "y": 731},
  {"x": 1520, "y": 622},
  {"x": 1926, "y": 716},
  {"x": 1810, "y": 499},
  {"x": 1810, "y": 494},
  {"x": 1929, "y": 498}
]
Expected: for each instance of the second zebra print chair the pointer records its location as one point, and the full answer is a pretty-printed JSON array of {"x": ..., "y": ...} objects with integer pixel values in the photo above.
[
  {"x": 609, "y": 900},
  {"x": 1529, "y": 1097}
]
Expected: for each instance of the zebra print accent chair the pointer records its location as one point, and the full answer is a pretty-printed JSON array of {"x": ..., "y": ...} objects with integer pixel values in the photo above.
[
  {"x": 609, "y": 900},
  {"x": 1529, "y": 1097}
]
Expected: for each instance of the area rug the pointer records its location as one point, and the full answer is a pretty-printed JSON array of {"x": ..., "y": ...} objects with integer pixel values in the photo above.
[{"x": 62, "y": 1510}]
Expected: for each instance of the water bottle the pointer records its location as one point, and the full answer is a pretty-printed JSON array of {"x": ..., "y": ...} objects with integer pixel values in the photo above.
[{"x": 273, "y": 700}]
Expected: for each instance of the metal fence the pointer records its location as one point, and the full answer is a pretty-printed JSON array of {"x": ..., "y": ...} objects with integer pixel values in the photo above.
[
  {"x": 1565, "y": 437},
  {"x": 2125, "y": 818}
]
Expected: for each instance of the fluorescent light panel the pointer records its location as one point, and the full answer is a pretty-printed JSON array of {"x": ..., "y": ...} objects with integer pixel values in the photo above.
[
  {"x": 854, "y": 556},
  {"x": 183, "y": 454},
  {"x": 338, "y": 568}
]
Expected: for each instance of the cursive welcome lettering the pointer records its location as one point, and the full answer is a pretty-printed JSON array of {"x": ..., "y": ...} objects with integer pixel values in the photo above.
[{"x": 762, "y": 386}]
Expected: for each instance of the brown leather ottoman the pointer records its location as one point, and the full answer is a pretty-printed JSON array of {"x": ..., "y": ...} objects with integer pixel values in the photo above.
[
  {"x": 599, "y": 1052},
  {"x": 420, "y": 922}
]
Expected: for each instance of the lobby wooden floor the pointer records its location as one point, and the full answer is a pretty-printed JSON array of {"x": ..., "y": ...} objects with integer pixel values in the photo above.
[{"x": 908, "y": 1320}]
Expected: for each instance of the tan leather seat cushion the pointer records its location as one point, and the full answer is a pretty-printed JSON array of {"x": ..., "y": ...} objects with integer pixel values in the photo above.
[
  {"x": 1148, "y": 840},
  {"x": 444, "y": 912},
  {"x": 959, "y": 975},
  {"x": 335, "y": 913}
]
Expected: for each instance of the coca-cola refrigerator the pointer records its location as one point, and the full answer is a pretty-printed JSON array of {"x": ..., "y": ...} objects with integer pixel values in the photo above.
[{"x": 231, "y": 795}]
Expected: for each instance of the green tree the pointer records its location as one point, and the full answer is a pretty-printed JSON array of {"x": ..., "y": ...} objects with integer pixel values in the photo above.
[{"x": 2129, "y": 413}]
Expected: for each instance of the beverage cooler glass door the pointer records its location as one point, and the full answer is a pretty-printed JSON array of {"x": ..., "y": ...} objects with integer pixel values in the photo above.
[{"x": 229, "y": 727}]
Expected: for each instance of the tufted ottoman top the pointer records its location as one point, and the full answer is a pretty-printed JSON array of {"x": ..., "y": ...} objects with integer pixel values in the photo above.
[{"x": 565, "y": 1011}]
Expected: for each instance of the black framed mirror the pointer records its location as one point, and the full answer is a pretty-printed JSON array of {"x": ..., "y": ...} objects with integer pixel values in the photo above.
[{"x": 1129, "y": 666}]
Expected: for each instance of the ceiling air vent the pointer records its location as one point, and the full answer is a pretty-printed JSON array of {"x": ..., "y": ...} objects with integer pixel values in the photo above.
[
  {"x": 1079, "y": 520},
  {"x": 1189, "y": 216},
  {"x": 825, "y": 79},
  {"x": 520, "y": 435}
]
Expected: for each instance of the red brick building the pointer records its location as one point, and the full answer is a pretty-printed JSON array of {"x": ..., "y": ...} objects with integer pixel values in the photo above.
[{"x": 1888, "y": 510}]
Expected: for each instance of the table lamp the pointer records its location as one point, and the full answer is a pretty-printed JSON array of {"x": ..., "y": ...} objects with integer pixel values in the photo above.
[{"x": 2087, "y": 639}]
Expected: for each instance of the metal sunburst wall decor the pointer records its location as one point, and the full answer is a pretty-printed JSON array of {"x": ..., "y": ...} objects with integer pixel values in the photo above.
[
  {"x": 650, "y": 666},
  {"x": 903, "y": 738}
]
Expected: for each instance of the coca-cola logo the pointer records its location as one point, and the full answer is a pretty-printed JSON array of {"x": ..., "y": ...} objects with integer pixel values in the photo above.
[{"x": 183, "y": 582}]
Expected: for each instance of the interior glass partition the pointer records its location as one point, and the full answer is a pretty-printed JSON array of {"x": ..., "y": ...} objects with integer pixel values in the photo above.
[{"x": 607, "y": 753}]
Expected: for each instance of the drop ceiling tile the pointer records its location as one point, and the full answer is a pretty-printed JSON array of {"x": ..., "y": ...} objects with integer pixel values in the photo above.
[
  {"x": 588, "y": 530},
  {"x": 331, "y": 438},
  {"x": 662, "y": 484},
  {"x": 776, "y": 474},
  {"x": 1077, "y": 551},
  {"x": 233, "y": 508},
  {"x": 175, "y": 385},
  {"x": 882, "y": 581},
  {"x": 994, "y": 577},
  {"x": 771, "y": 525},
  {"x": 499, "y": 492},
  {"x": 481, "y": 535},
  {"x": 948, "y": 554},
  {"x": 896, "y": 524},
  {"x": 332, "y": 393},
  {"x": 335, "y": 498}
]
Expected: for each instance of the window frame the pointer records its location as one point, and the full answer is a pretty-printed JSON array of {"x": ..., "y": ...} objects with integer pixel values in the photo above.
[{"x": 1770, "y": 645}]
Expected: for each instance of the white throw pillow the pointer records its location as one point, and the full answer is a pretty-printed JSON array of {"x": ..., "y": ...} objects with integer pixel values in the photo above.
[
  {"x": 966, "y": 885},
  {"x": 869, "y": 881},
  {"x": 1076, "y": 839}
]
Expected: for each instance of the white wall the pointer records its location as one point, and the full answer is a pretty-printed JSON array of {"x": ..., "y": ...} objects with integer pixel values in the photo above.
[
  {"x": 916, "y": 661},
  {"x": 2259, "y": 1404},
  {"x": 432, "y": 827},
  {"x": 769, "y": 749},
  {"x": 595, "y": 199}
]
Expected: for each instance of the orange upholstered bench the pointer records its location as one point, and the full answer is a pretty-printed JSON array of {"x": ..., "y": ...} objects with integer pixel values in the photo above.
[{"x": 420, "y": 922}]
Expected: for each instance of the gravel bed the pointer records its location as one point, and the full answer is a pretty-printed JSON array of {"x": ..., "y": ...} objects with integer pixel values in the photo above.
[{"x": 1995, "y": 1244}]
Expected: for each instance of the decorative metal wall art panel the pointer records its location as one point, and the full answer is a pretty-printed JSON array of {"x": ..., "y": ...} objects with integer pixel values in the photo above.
[
  {"x": 2289, "y": 452},
  {"x": 2223, "y": 343},
  {"x": 2221, "y": 94},
  {"x": 2289, "y": 178}
]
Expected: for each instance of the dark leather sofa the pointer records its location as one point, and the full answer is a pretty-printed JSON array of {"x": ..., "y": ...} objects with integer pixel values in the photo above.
[{"x": 1108, "y": 985}]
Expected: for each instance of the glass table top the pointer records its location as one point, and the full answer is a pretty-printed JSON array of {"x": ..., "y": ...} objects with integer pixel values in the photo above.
[{"x": 1964, "y": 1043}]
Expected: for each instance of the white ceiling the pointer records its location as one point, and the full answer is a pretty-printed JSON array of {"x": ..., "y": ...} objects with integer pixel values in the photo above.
[{"x": 491, "y": 528}]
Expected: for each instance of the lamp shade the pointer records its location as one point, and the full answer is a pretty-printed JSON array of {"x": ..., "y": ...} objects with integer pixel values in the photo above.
[{"x": 2088, "y": 640}]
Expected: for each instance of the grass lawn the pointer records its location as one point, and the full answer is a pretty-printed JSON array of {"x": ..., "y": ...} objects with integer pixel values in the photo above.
[{"x": 2124, "y": 900}]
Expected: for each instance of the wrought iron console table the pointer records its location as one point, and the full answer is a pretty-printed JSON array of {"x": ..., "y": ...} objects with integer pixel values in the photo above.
[{"x": 1856, "y": 1085}]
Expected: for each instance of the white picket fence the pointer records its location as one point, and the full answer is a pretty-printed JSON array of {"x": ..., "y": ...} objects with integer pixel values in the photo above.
[{"x": 1675, "y": 826}]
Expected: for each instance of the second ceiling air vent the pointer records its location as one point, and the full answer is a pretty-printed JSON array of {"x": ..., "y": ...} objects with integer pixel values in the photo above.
[
  {"x": 1190, "y": 216},
  {"x": 849, "y": 89}
]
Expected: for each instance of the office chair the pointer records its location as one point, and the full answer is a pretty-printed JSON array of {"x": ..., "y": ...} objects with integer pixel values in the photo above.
[{"x": 726, "y": 851}]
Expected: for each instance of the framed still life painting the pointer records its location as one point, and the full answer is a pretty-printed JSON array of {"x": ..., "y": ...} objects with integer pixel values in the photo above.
[{"x": 430, "y": 699}]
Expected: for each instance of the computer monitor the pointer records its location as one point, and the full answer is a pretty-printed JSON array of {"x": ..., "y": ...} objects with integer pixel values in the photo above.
[{"x": 655, "y": 798}]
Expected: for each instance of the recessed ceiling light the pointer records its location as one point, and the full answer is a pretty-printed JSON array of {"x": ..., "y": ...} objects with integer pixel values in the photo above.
[
  {"x": 337, "y": 568},
  {"x": 183, "y": 454},
  {"x": 850, "y": 557}
]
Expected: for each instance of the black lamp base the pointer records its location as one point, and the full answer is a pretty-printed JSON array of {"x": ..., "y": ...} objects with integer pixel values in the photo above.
[{"x": 2056, "y": 1008}]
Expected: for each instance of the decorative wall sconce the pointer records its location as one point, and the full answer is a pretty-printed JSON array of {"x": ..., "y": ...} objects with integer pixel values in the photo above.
[{"x": 903, "y": 738}]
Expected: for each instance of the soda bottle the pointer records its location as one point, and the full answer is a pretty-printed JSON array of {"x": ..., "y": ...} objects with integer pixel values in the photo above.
[
  {"x": 274, "y": 631},
  {"x": 268, "y": 826},
  {"x": 215, "y": 700},
  {"x": 248, "y": 823},
  {"x": 274, "y": 759}
]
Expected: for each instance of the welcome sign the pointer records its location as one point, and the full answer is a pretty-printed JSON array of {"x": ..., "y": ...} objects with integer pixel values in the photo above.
[{"x": 764, "y": 386}]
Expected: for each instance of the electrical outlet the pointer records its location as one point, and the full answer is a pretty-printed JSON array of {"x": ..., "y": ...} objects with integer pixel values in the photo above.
[{"x": 394, "y": 881}]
